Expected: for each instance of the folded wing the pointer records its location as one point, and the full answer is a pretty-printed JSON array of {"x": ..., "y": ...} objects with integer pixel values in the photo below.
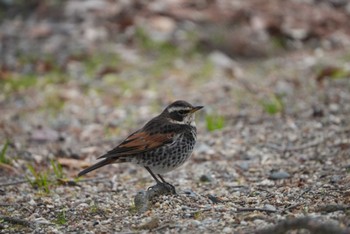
[{"x": 140, "y": 142}]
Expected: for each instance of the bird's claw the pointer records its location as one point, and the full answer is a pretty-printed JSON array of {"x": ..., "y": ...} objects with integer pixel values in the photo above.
[{"x": 163, "y": 188}]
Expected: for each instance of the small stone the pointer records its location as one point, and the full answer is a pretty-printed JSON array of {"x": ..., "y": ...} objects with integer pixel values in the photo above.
[
  {"x": 270, "y": 207},
  {"x": 221, "y": 60},
  {"x": 143, "y": 198},
  {"x": 42, "y": 135},
  {"x": 244, "y": 165},
  {"x": 32, "y": 202},
  {"x": 190, "y": 193},
  {"x": 334, "y": 108},
  {"x": 203, "y": 148},
  {"x": 206, "y": 178},
  {"x": 227, "y": 230},
  {"x": 195, "y": 222},
  {"x": 141, "y": 201},
  {"x": 278, "y": 175},
  {"x": 335, "y": 178},
  {"x": 317, "y": 111}
]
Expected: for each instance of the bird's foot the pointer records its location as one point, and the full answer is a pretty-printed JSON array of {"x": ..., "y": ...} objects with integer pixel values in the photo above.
[
  {"x": 162, "y": 188},
  {"x": 170, "y": 187}
]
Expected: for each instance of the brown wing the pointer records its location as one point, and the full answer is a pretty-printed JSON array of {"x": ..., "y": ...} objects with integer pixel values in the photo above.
[{"x": 139, "y": 142}]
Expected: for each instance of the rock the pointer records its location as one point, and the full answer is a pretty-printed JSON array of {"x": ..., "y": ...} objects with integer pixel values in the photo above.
[
  {"x": 270, "y": 207},
  {"x": 141, "y": 201},
  {"x": 227, "y": 230},
  {"x": 221, "y": 60},
  {"x": 203, "y": 148},
  {"x": 206, "y": 178},
  {"x": 334, "y": 108},
  {"x": 335, "y": 178},
  {"x": 244, "y": 165},
  {"x": 190, "y": 193},
  {"x": 143, "y": 198},
  {"x": 279, "y": 175},
  {"x": 43, "y": 135}
]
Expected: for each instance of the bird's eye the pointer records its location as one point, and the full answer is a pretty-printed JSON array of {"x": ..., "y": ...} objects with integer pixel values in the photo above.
[{"x": 182, "y": 112}]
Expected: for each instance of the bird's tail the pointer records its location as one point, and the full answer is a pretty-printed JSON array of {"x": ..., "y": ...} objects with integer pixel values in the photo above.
[{"x": 97, "y": 165}]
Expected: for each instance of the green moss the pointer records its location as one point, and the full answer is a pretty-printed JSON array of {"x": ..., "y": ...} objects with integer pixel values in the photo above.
[
  {"x": 214, "y": 122},
  {"x": 133, "y": 209},
  {"x": 45, "y": 179},
  {"x": 94, "y": 62},
  {"x": 17, "y": 82},
  {"x": 38, "y": 179},
  {"x": 273, "y": 105},
  {"x": 61, "y": 218},
  {"x": 3, "y": 158},
  {"x": 57, "y": 169},
  {"x": 197, "y": 215},
  {"x": 96, "y": 210}
]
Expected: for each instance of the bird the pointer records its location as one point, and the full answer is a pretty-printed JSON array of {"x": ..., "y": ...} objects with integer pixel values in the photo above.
[{"x": 163, "y": 144}]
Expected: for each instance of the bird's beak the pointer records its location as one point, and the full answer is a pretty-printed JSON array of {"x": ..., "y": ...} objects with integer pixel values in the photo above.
[{"x": 196, "y": 108}]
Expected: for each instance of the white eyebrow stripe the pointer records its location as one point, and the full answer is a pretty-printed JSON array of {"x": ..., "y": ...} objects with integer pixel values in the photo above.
[
  {"x": 177, "y": 122},
  {"x": 176, "y": 108}
]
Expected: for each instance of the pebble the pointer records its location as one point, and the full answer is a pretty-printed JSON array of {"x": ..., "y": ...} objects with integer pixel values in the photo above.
[
  {"x": 270, "y": 207},
  {"x": 203, "y": 148},
  {"x": 278, "y": 175},
  {"x": 227, "y": 230},
  {"x": 189, "y": 193},
  {"x": 195, "y": 222},
  {"x": 32, "y": 202},
  {"x": 335, "y": 178},
  {"x": 141, "y": 201},
  {"x": 244, "y": 165},
  {"x": 206, "y": 178}
]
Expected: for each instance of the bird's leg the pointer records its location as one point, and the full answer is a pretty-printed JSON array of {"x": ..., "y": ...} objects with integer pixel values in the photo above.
[
  {"x": 164, "y": 184},
  {"x": 172, "y": 187},
  {"x": 153, "y": 175}
]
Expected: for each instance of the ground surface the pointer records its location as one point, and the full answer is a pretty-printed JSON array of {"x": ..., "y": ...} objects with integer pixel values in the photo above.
[{"x": 273, "y": 138}]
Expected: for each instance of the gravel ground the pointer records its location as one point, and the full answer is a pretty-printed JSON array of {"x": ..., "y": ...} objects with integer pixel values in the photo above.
[{"x": 254, "y": 172}]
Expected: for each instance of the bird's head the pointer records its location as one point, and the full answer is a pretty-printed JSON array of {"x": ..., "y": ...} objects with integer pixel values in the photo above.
[{"x": 181, "y": 112}]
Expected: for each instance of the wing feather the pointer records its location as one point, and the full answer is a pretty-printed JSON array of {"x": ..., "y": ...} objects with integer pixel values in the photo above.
[{"x": 140, "y": 142}]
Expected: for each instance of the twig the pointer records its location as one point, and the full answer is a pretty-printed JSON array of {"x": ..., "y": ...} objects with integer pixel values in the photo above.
[
  {"x": 291, "y": 207},
  {"x": 305, "y": 191},
  {"x": 255, "y": 209},
  {"x": 166, "y": 225},
  {"x": 332, "y": 208},
  {"x": 95, "y": 179},
  {"x": 13, "y": 220},
  {"x": 8, "y": 204},
  {"x": 303, "y": 223},
  {"x": 13, "y": 183},
  {"x": 294, "y": 148},
  {"x": 265, "y": 190}
]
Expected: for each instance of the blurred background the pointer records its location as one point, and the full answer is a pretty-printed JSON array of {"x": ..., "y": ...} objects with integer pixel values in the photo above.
[
  {"x": 76, "y": 72},
  {"x": 82, "y": 71}
]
